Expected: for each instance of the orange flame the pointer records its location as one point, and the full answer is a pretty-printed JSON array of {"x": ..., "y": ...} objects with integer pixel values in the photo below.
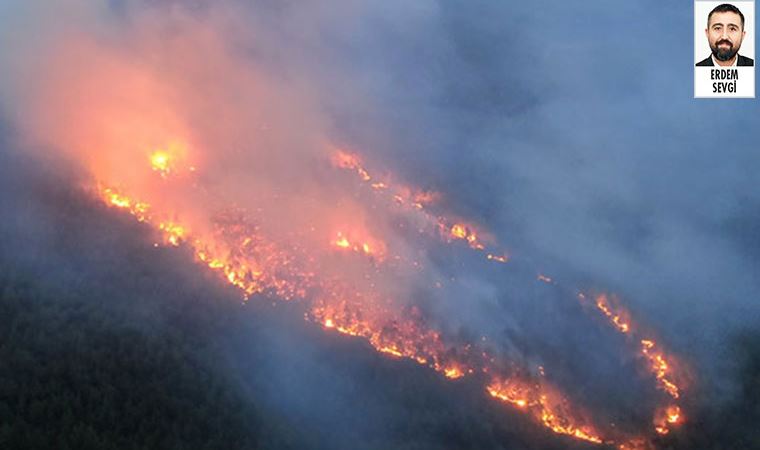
[
  {"x": 467, "y": 233},
  {"x": 387, "y": 332},
  {"x": 350, "y": 161},
  {"x": 161, "y": 162},
  {"x": 660, "y": 367},
  {"x": 617, "y": 319},
  {"x": 248, "y": 261},
  {"x": 658, "y": 364},
  {"x": 666, "y": 418},
  {"x": 416, "y": 200},
  {"x": 544, "y": 404},
  {"x": 367, "y": 246},
  {"x": 173, "y": 233}
]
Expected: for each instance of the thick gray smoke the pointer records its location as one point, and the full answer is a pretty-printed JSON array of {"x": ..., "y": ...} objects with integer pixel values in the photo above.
[{"x": 568, "y": 132}]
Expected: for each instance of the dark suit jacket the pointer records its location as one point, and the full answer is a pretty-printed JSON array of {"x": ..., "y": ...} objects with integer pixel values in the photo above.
[{"x": 742, "y": 61}]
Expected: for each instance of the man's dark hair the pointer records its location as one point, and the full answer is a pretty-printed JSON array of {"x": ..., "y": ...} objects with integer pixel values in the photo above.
[{"x": 726, "y": 7}]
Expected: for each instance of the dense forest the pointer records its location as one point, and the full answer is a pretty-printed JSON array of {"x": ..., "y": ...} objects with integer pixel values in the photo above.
[{"x": 107, "y": 342}]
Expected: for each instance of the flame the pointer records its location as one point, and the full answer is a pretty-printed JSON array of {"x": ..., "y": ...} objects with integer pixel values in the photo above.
[
  {"x": 544, "y": 404},
  {"x": 674, "y": 414},
  {"x": 400, "y": 336},
  {"x": 657, "y": 361},
  {"x": 660, "y": 367},
  {"x": 416, "y": 200},
  {"x": 453, "y": 372},
  {"x": 170, "y": 159},
  {"x": 138, "y": 209},
  {"x": 173, "y": 233},
  {"x": 246, "y": 259},
  {"x": 342, "y": 241},
  {"x": 617, "y": 318},
  {"x": 467, "y": 233},
  {"x": 266, "y": 263},
  {"x": 350, "y": 161},
  {"x": 368, "y": 246},
  {"x": 160, "y": 161},
  {"x": 667, "y": 418},
  {"x": 510, "y": 391}
]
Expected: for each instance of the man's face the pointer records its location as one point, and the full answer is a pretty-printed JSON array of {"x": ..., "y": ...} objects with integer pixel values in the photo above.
[{"x": 725, "y": 33}]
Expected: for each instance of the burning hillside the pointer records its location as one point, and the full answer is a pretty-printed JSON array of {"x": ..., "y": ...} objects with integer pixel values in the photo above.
[
  {"x": 233, "y": 245},
  {"x": 293, "y": 176}
]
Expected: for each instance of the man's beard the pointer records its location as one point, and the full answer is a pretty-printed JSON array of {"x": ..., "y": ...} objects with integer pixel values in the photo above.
[{"x": 723, "y": 54}]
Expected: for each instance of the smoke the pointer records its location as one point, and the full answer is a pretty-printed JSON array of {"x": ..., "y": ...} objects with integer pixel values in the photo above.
[{"x": 574, "y": 145}]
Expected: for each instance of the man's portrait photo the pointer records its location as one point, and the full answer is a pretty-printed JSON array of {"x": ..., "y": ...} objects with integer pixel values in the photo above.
[{"x": 725, "y": 32}]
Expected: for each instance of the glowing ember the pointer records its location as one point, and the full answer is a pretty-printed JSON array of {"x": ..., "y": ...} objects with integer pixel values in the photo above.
[
  {"x": 172, "y": 232},
  {"x": 160, "y": 162},
  {"x": 138, "y": 209},
  {"x": 674, "y": 414},
  {"x": 453, "y": 372},
  {"x": 635, "y": 444},
  {"x": 342, "y": 242},
  {"x": 371, "y": 247},
  {"x": 666, "y": 418}
]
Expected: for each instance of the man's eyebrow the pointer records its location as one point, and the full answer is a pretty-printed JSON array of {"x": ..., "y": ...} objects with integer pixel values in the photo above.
[{"x": 721, "y": 24}]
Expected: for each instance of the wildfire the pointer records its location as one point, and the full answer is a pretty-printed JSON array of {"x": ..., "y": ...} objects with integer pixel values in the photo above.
[
  {"x": 172, "y": 232},
  {"x": 350, "y": 161},
  {"x": 369, "y": 247},
  {"x": 674, "y": 414},
  {"x": 510, "y": 391},
  {"x": 454, "y": 372},
  {"x": 402, "y": 196},
  {"x": 620, "y": 319},
  {"x": 617, "y": 318},
  {"x": 160, "y": 161},
  {"x": 170, "y": 159},
  {"x": 544, "y": 404},
  {"x": 245, "y": 259},
  {"x": 668, "y": 417},
  {"x": 467, "y": 233},
  {"x": 659, "y": 366},
  {"x": 389, "y": 333},
  {"x": 657, "y": 362},
  {"x": 138, "y": 209}
]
